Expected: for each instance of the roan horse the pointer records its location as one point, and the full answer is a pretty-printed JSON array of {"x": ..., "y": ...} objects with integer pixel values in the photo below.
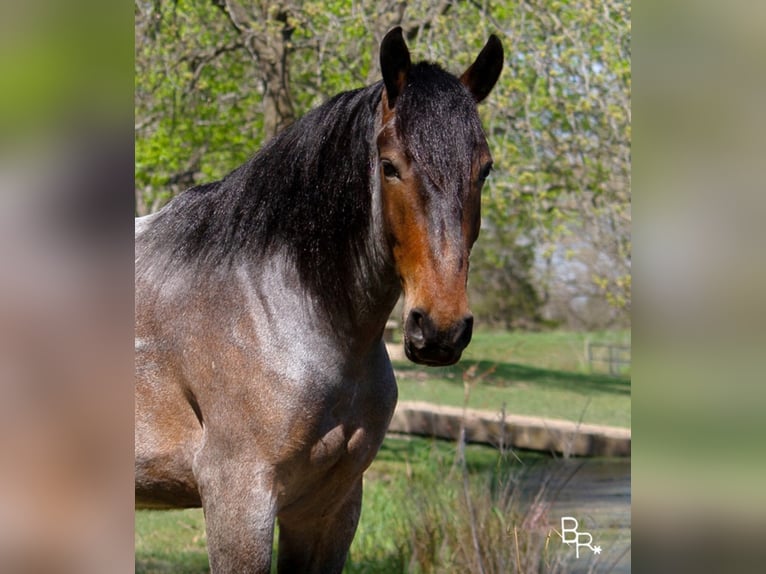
[{"x": 263, "y": 387}]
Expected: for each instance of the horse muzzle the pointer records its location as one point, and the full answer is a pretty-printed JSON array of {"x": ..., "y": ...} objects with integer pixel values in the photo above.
[{"x": 428, "y": 344}]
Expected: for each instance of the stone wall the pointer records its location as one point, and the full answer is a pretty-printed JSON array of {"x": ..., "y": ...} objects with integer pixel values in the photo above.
[{"x": 512, "y": 431}]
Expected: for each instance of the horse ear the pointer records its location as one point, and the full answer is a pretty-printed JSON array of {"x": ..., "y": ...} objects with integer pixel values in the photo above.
[
  {"x": 481, "y": 76},
  {"x": 394, "y": 64}
]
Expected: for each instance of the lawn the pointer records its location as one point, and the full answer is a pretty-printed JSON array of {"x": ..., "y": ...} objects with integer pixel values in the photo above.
[{"x": 543, "y": 374}]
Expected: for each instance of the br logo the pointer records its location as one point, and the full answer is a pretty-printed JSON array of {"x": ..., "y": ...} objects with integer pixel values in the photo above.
[{"x": 569, "y": 526}]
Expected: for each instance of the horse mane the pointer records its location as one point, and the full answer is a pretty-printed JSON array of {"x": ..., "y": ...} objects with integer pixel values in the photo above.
[{"x": 309, "y": 188}]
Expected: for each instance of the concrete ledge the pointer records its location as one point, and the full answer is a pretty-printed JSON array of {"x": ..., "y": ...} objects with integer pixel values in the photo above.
[{"x": 516, "y": 431}]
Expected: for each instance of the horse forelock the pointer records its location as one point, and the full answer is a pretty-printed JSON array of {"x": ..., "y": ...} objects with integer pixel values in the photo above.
[{"x": 437, "y": 121}]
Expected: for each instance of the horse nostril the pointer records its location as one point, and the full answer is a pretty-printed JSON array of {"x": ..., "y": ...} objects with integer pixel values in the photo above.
[
  {"x": 415, "y": 327},
  {"x": 463, "y": 333},
  {"x": 425, "y": 342}
]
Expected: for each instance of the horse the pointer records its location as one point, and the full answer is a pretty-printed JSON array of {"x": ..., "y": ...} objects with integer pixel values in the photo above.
[{"x": 263, "y": 385}]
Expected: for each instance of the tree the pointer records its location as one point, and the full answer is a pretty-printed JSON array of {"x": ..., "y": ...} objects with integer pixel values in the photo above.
[
  {"x": 195, "y": 106},
  {"x": 266, "y": 30},
  {"x": 560, "y": 124}
]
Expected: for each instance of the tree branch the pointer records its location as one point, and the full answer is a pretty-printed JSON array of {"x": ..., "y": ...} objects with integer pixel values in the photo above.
[{"x": 411, "y": 32}]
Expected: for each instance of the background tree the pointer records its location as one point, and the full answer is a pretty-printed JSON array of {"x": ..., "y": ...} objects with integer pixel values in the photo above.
[
  {"x": 560, "y": 124},
  {"x": 215, "y": 78},
  {"x": 266, "y": 30}
]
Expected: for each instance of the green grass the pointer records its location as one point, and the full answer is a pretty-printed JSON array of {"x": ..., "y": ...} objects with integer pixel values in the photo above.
[
  {"x": 170, "y": 541},
  {"x": 543, "y": 374},
  {"x": 410, "y": 482}
]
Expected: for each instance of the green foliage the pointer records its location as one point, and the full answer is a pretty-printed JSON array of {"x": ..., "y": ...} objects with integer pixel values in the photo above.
[
  {"x": 195, "y": 98},
  {"x": 501, "y": 289},
  {"x": 559, "y": 127}
]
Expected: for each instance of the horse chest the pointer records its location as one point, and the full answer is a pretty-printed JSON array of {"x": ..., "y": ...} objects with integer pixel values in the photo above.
[
  {"x": 333, "y": 462},
  {"x": 339, "y": 445},
  {"x": 341, "y": 442}
]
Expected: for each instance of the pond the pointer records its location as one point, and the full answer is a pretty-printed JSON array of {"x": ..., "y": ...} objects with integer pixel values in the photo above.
[{"x": 592, "y": 496}]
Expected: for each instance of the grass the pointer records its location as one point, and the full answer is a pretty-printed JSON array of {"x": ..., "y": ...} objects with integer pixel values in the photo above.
[
  {"x": 543, "y": 374},
  {"x": 170, "y": 541},
  {"x": 415, "y": 516},
  {"x": 432, "y": 506}
]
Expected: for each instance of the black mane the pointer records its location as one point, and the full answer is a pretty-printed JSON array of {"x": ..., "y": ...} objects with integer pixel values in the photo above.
[{"x": 309, "y": 189}]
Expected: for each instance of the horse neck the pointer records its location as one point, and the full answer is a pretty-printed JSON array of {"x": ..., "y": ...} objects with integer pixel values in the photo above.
[
  {"x": 375, "y": 289},
  {"x": 358, "y": 288},
  {"x": 342, "y": 263}
]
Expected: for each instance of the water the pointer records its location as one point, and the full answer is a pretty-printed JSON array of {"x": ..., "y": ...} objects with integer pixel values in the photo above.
[{"x": 596, "y": 494}]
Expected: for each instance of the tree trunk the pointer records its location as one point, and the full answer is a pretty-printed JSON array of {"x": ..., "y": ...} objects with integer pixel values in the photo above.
[{"x": 266, "y": 30}]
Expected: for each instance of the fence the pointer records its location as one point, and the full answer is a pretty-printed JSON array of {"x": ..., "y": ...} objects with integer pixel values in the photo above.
[{"x": 615, "y": 356}]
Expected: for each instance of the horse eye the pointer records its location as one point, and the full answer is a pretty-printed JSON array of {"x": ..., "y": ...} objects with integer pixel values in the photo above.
[
  {"x": 485, "y": 171},
  {"x": 389, "y": 170}
]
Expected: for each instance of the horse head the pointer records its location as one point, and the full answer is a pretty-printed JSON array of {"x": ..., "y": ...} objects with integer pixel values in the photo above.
[{"x": 433, "y": 160}]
